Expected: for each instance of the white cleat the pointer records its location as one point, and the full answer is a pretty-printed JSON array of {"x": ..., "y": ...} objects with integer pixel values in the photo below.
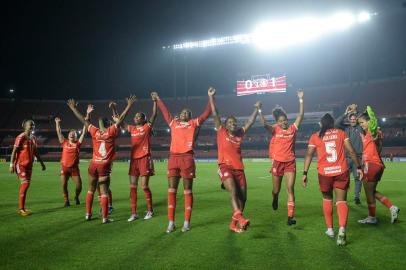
[
  {"x": 394, "y": 211},
  {"x": 107, "y": 220},
  {"x": 330, "y": 232},
  {"x": 171, "y": 227},
  {"x": 341, "y": 238},
  {"x": 186, "y": 226},
  {"x": 149, "y": 215},
  {"x": 88, "y": 217},
  {"x": 368, "y": 220},
  {"x": 133, "y": 217}
]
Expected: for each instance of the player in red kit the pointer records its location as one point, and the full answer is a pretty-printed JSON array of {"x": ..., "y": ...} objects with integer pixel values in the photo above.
[
  {"x": 373, "y": 167},
  {"x": 141, "y": 164},
  {"x": 22, "y": 159},
  {"x": 181, "y": 158},
  {"x": 230, "y": 164},
  {"x": 333, "y": 172},
  {"x": 70, "y": 160},
  {"x": 103, "y": 155},
  {"x": 282, "y": 154}
]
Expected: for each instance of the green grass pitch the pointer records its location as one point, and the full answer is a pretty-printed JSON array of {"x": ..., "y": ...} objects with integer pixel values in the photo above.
[{"x": 59, "y": 238}]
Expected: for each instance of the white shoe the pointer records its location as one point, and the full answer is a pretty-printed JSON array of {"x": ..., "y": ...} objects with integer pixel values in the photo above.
[
  {"x": 149, "y": 215},
  {"x": 186, "y": 226},
  {"x": 132, "y": 217},
  {"x": 171, "y": 227},
  {"x": 341, "y": 238},
  {"x": 368, "y": 220},
  {"x": 107, "y": 220},
  {"x": 330, "y": 232},
  {"x": 88, "y": 217},
  {"x": 394, "y": 211}
]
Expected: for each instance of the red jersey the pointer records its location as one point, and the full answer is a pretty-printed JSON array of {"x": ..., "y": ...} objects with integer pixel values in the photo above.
[
  {"x": 330, "y": 152},
  {"x": 229, "y": 148},
  {"x": 70, "y": 153},
  {"x": 140, "y": 140},
  {"x": 370, "y": 151},
  {"x": 183, "y": 133},
  {"x": 26, "y": 149},
  {"x": 282, "y": 144},
  {"x": 103, "y": 143}
]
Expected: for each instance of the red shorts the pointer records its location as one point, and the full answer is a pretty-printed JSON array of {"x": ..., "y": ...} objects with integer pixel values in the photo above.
[
  {"x": 372, "y": 171},
  {"x": 99, "y": 169},
  {"x": 182, "y": 166},
  {"x": 226, "y": 172},
  {"x": 70, "y": 171},
  {"x": 279, "y": 168},
  {"x": 142, "y": 166},
  {"x": 328, "y": 183},
  {"x": 23, "y": 172}
]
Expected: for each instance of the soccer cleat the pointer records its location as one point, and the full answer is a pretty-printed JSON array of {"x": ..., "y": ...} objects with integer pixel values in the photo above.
[
  {"x": 132, "y": 217},
  {"x": 244, "y": 223},
  {"x": 357, "y": 201},
  {"x": 330, "y": 232},
  {"x": 186, "y": 226},
  {"x": 107, "y": 220},
  {"x": 235, "y": 229},
  {"x": 341, "y": 238},
  {"x": 171, "y": 227},
  {"x": 149, "y": 215},
  {"x": 88, "y": 217},
  {"x": 24, "y": 212},
  {"x": 394, "y": 211},
  {"x": 275, "y": 201},
  {"x": 291, "y": 221},
  {"x": 77, "y": 202},
  {"x": 67, "y": 204},
  {"x": 368, "y": 220}
]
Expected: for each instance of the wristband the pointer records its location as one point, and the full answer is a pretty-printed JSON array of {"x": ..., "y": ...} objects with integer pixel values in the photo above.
[
  {"x": 301, "y": 100},
  {"x": 304, "y": 172}
]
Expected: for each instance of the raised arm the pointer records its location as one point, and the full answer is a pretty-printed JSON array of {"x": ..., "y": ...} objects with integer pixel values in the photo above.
[
  {"x": 201, "y": 118},
  {"x": 82, "y": 136},
  {"x": 217, "y": 120},
  {"x": 61, "y": 138},
  {"x": 307, "y": 160},
  {"x": 350, "y": 150},
  {"x": 116, "y": 115},
  {"x": 299, "y": 118},
  {"x": 154, "y": 113},
  {"x": 130, "y": 102},
  {"x": 73, "y": 106},
  {"x": 253, "y": 116},
  {"x": 166, "y": 114},
  {"x": 262, "y": 121}
]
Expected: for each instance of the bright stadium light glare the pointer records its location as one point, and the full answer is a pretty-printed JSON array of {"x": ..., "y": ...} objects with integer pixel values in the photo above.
[
  {"x": 284, "y": 33},
  {"x": 363, "y": 17},
  {"x": 384, "y": 119}
]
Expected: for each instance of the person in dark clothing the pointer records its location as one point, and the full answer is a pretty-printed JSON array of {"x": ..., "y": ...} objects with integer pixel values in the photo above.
[{"x": 348, "y": 122}]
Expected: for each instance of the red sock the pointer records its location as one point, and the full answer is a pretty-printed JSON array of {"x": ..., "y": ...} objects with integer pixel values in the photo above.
[
  {"x": 110, "y": 198},
  {"x": 148, "y": 197},
  {"x": 386, "y": 202},
  {"x": 133, "y": 197},
  {"x": 236, "y": 216},
  {"x": 23, "y": 194},
  {"x": 371, "y": 210},
  {"x": 188, "y": 204},
  {"x": 171, "y": 203},
  {"x": 65, "y": 196},
  {"x": 104, "y": 205},
  {"x": 342, "y": 210},
  {"x": 328, "y": 212},
  {"x": 291, "y": 209},
  {"x": 89, "y": 202}
]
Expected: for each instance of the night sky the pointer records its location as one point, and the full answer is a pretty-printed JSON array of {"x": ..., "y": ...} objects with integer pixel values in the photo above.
[{"x": 107, "y": 49}]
